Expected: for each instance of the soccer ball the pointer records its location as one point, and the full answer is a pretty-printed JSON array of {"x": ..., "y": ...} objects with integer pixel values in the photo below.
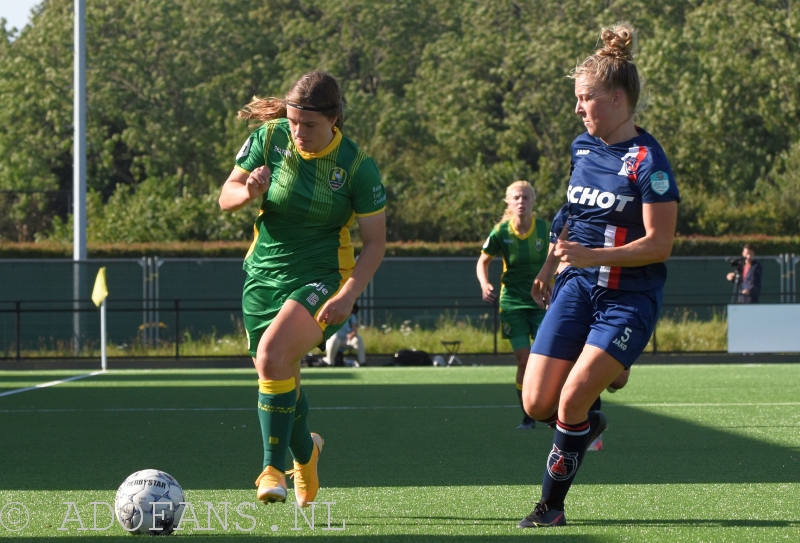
[{"x": 149, "y": 502}]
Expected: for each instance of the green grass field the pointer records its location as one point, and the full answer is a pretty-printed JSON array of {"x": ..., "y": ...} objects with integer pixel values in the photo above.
[{"x": 693, "y": 453}]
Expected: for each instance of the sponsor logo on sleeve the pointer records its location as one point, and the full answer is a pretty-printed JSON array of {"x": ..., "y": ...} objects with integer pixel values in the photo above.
[
  {"x": 659, "y": 182},
  {"x": 245, "y": 150},
  {"x": 378, "y": 196}
]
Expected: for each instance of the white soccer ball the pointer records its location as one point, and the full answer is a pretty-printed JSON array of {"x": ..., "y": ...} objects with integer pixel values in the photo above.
[{"x": 149, "y": 502}]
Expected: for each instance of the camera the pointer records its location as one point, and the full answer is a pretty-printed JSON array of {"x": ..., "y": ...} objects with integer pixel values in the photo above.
[{"x": 736, "y": 262}]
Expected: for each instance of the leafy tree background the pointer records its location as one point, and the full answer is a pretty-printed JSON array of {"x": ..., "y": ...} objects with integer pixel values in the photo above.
[{"x": 454, "y": 100}]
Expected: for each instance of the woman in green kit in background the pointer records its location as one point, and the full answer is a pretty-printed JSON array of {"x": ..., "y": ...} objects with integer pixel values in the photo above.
[
  {"x": 522, "y": 241},
  {"x": 302, "y": 278}
]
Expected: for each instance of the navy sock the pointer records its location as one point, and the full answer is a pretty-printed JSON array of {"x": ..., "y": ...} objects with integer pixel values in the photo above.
[
  {"x": 569, "y": 446},
  {"x": 597, "y": 405}
]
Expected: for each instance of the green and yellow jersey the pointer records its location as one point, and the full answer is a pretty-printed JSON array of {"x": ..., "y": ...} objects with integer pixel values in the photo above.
[
  {"x": 523, "y": 257},
  {"x": 302, "y": 231}
]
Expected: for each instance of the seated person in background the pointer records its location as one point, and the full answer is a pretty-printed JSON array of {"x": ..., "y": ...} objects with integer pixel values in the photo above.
[{"x": 347, "y": 335}]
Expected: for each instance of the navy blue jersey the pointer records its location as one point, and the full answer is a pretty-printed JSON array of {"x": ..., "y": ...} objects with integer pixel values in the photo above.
[
  {"x": 559, "y": 221},
  {"x": 607, "y": 187}
]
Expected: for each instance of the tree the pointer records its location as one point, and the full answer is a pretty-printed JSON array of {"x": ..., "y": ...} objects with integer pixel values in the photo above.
[{"x": 454, "y": 100}]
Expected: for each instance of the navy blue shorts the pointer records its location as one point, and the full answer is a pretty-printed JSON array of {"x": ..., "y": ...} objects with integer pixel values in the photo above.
[{"x": 582, "y": 313}]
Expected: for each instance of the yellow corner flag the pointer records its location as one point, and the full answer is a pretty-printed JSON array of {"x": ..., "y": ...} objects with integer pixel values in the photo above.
[{"x": 100, "y": 291}]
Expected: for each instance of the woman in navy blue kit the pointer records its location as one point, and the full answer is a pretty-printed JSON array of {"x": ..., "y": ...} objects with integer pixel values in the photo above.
[{"x": 603, "y": 306}]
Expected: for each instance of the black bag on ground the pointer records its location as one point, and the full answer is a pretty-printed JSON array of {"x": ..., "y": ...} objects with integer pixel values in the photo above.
[
  {"x": 407, "y": 357},
  {"x": 312, "y": 361}
]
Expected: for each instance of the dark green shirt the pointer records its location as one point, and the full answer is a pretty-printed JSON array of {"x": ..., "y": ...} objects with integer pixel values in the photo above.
[
  {"x": 523, "y": 257},
  {"x": 302, "y": 231}
]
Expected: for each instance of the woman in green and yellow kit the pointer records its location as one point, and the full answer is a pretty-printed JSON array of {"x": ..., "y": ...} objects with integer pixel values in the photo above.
[
  {"x": 302, "y": 277},
  {"x": 522, "y": 241}
]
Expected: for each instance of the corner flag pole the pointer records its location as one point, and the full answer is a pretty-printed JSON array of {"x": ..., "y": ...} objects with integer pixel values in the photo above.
[{"x": 99, "y": 295}]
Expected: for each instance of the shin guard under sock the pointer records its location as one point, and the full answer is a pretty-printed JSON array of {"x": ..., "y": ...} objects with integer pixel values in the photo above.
[
  {"x": 569, "y": 446},
  {"x": 300, "y": 443},
  {"x": 276, "y": 407}
]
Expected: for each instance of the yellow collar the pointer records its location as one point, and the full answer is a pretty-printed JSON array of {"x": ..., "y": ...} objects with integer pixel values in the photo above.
[
  {"x": 520, "y": 236},
  {"x": 337, "y": 139}
]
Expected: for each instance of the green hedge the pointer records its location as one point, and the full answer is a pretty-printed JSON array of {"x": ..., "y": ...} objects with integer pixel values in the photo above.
[{"x": 684, "y": 246}]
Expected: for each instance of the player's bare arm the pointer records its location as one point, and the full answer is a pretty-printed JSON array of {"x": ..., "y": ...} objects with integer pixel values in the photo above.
[
  {"x": 487, "y": 290},
  {"x": 373, "y": 236},
  {"x": 542, "y": 288},
  {"x": 241, "y": 188},
  {"x": 659, "y": 222}
]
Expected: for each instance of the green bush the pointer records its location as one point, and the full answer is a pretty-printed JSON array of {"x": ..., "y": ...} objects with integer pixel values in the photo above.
[{"x": 683, "y": 246}]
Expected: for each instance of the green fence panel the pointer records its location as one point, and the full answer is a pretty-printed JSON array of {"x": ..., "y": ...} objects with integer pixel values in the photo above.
[{"x": 36, "y": 296}]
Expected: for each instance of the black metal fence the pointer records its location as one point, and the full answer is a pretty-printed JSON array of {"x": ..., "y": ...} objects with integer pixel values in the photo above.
[
  {"x": 171, "y": 321},
  {"x": 155, "y": 304}
]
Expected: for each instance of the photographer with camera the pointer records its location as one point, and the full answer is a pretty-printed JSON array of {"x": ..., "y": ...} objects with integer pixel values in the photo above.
[{"x": 746, "y": 277}]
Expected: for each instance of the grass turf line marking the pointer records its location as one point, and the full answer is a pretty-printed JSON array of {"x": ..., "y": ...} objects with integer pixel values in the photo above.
[
  {"x": 50, "y": 384},
  {"x": 342, "y": 408},
  {"x": 735, "y": 404},
  {"x": 357, "y": 408}
]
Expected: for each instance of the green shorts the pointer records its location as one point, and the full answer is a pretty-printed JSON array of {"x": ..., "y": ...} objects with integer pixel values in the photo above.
[
  {"x": 520, "y": 326},
  {"x": 261, "y": 304}
]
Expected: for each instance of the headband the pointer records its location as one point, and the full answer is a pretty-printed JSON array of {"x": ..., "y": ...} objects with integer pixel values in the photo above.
[{"x": 306, "y": 108}]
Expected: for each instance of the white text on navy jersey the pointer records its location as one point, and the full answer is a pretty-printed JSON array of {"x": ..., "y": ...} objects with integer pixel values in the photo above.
[{"x": 593, "y": 197}]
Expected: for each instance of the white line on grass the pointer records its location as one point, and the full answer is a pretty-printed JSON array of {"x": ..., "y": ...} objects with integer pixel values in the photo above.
[
  {"x": 50, "y": 384},
  {"x": 339, "y": 408},
  {"x": 741, "y": 404},
  {"x": 371, "y": 407}
]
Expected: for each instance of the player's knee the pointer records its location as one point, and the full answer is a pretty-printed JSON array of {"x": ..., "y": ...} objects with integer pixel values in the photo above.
[
  {"x": 574, "y": 405},
  {"x": 538, "y": 409},
  {"x": 621, "y": 380},
  {"x": 269, "y": 360}
]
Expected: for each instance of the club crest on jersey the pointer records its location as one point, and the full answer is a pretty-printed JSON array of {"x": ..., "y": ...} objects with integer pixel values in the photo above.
[
  {"x": 336, "y": 178},
  {"x": 561, "y": 465},
  {"x": 629, "y": 166},
  {"x": 659, "y": 182},
  {"x": 539, "y": 243},
  {"x": 630, "y": 161}
]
